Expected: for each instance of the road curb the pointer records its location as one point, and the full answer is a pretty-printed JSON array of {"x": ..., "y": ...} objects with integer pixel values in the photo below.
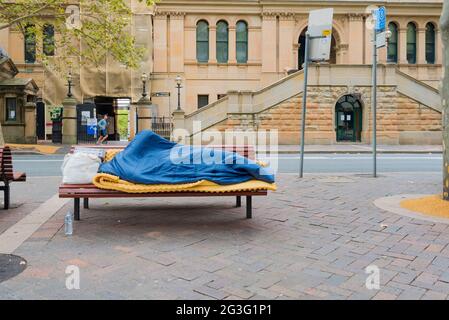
[
  {"x": 393, "y": 204},
  {"x": 353, "y": 152}
]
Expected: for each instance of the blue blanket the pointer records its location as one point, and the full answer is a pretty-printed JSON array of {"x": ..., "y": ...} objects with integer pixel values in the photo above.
[{"x": 151, "y": 159}]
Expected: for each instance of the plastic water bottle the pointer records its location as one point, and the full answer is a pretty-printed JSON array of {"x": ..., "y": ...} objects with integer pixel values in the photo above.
[{"x": 68, "y": 224}]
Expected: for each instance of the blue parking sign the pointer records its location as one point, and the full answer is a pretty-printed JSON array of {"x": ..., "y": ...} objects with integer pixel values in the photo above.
[{"x": 381, "y": 19}]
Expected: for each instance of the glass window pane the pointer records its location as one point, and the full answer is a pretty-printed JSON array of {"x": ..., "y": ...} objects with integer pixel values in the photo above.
[
  {"x": 430, "y": 43},
  {"x": 222, "y": 42},
  {"x": 242, "y": 42},
  {"x": 203, "y": 100},
  {"x": 222, "y": 52},
  {"x": 11, "y": 109},
  {"x": 30, "y": 44},
  {"x": 222, "y": 31},
  {"x": 202, "y": 31},
  {"x": 202, "y": 41},
  {"x": 49, "y": 40},
  {"x": 411, "y": 43},
  {"x": 392, "y": 52},
  {"x": 242, "y": 52},
  {"x": 202, "y": 49}
]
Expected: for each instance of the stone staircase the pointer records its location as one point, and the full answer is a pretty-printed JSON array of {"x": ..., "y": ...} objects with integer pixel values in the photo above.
[{"x": 249, "y": 104}]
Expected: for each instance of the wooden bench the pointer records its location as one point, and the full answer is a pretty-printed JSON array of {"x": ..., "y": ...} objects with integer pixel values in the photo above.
[
  {"x": 7, "y": 174},
  {"x": 87, "y": 191}
]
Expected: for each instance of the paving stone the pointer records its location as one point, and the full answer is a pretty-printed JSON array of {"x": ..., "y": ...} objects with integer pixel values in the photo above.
[
  {"x": 316, "y": 246},
  {"x": 215, "y": 294},
  {"x": 434, "y": 295}
]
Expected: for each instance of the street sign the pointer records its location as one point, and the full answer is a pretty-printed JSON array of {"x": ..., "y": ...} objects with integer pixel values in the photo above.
[
  {"x": 381, "y": 40},
  {"x": 380, "y": 16},
  {"x": 160, "y": 94},
  {"x": 317, "y": 48},
  {"x": 320, "y": 33}
]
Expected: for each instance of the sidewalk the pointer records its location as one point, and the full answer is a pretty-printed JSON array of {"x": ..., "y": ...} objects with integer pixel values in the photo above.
[
  {"x": 40, "y": 148},
  {"x": 312, "y": 239},
  {"x": 359, "y": 148},
  {"x": 49, "y": 148}
]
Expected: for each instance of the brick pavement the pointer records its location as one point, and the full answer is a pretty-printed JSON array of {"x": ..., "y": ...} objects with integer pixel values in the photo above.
[{"x": 312, "y": 239}]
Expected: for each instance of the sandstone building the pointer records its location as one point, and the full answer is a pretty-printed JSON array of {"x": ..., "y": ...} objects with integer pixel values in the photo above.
[{"x": 237, "y": 61}]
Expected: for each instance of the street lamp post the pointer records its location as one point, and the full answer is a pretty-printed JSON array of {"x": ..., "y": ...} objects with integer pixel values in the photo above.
[
  {"x": 178, "y": 81},
  {"x": 69, "y": 84},
  {"x": 144, "y": 84}
]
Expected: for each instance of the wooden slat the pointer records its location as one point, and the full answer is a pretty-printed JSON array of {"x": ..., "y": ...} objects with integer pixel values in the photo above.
[
  {"x": 6, "y": 164},
  {"x": 91, "y": 193}
]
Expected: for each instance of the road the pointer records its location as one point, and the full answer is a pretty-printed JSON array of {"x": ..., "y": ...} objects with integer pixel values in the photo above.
[{"x": 40, "y": 165}]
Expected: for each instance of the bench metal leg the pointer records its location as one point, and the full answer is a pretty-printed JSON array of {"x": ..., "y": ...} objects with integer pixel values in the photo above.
[
  {"x": 238, "y": 202},
  {"x": 249, "y": 207},
  {"x": 76, "y": 209},
  {"x": 6, "y": 196},
  {"x": 86, "y": 203}
]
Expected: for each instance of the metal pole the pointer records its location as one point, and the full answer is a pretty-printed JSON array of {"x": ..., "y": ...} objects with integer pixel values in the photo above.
[
  {"x": 374, "y": 102},
  {"x": 304, "y": 104},
  {"x": 179, "y": 97}
]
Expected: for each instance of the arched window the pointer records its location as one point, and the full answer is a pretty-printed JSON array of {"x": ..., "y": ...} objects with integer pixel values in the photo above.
[
  {"x": 49, "y": 40},
  {"x": 430, "y": 43},
  {"x": 202, "y": 41},
  {"x": 222, "y": 41},
  {"x": 242, "y": 42},
  {"x": 392, "y": 52},
  {"x": 411, "y": 43},
  {"x": 30, "y": 44}
]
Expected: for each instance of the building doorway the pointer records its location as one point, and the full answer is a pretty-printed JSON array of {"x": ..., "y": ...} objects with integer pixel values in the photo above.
[
  {"x": 117, "y": 110},
  {"x": 348, "y": 119},
  {"x": 302, "y": 49},
  {"x": 40, "y": 120}
]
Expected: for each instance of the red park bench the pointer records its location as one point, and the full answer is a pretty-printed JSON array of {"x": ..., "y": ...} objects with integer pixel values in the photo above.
[
  {"x": 7, "y": 175},
  {"x": 87, "y": 191}
]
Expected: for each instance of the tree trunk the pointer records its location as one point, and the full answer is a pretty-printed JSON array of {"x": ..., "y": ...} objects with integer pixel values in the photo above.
[{"x": 444, "y": 25}]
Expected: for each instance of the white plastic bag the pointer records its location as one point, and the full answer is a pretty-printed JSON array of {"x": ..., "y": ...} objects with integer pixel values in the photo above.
[{"x": 79, "y": 168}]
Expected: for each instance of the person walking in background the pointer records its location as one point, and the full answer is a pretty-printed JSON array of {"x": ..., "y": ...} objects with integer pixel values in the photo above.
[{"x": 103, "y": 126}]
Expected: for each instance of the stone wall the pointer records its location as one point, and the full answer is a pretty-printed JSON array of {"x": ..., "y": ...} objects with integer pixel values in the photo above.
[{"x": 401, "y": 120}]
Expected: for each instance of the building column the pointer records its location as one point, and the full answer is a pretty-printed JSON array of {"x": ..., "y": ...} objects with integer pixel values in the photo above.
[
  {"x": 160, "y": 42},
  {"x": 145, "y": 112},
  {"x": 402, "y": 46},
  {"x": 368, "y": 58},
  {"x": 69, "y": 130},
  {"x": 180, "y": 134},
  {"x": 438, "y": 47},
  {"x": 232, "y": 45},
  {"x": 286, "y": 53},
  {"x": 132, "y": 121},
  {"x": 269, "y": 46},
  {"x": 30, "y": 123},
  {"x": 212, "y": 44},
  {"x": 176, "y": 54},
  {"x": 355, "y": 48},
  {"x": 342, "y": 53},
  {"x": 421, "y": 46}
]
